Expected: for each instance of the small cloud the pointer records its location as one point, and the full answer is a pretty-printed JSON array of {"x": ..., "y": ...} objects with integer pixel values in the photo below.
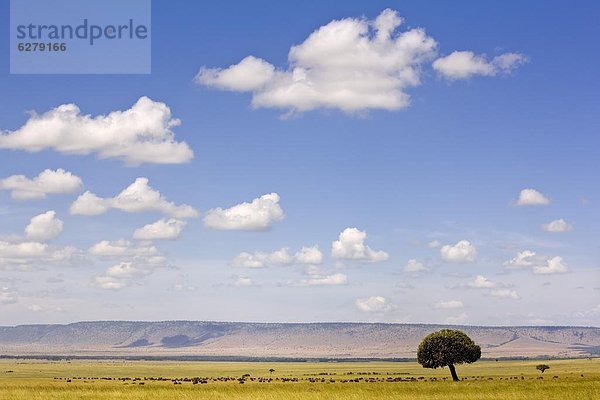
[
  {"x": 326, "y": 280},
  {"x": 47, "y": 182},
  {"x": 243, "y": 281},
  {"x": 540, "y": 265},
  {"x": 413, "y": 266},
  {"x": 372, "y": 304},
  {"x": 164, "y": 229},
  {"x": 466, "y": 64},
  {"x": 258, "y": 215},
  {"x": 137, "y": 197},
  {"x": 434, "y": 244},
  {"x": 461, "y": 252},
  {"x": 261, "y": 260},
  {"x": 309, "y": 255},
  {"x": 505, "y": 294},
  {"x": 182, "y": 287},
  {"x": 557, "y": 226},
  {"x": 531, "y": 197},
  {"x": 351, "y": 246},
  {"x": 554, "y": 265},
  {"x": 449, "y": 304},
  {"x": 481, "y": 282},
  {"x": 44, "y": 227}
]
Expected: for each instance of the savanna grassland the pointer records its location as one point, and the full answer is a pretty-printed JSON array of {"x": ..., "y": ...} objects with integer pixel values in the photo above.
[{"x": 53, "y": 380}]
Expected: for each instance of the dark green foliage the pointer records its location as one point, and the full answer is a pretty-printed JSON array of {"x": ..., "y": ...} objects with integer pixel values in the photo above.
[
  {"x": 447, "y": 348},
  {"x": 542, "y": 367}
]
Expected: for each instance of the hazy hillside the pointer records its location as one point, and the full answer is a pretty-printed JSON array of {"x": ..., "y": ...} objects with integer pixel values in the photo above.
[{"x": 339, "y": 340}]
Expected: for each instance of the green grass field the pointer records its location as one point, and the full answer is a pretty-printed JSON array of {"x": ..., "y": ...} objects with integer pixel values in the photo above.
[{"x": 49, "y": 380}]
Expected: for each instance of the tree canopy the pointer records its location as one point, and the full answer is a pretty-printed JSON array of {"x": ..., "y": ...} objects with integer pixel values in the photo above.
[{"x": 447, "y": 348}]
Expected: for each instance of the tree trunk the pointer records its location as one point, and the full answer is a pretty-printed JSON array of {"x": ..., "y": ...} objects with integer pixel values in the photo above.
[{"x": 453, "y": 372}]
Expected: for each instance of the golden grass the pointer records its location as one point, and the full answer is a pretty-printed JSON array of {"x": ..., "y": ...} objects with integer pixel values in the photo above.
[{"x": 482, "y": 380}]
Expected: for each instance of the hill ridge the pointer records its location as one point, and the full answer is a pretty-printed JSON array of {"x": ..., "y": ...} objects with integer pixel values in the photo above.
[{"x": 283, "y": 339}]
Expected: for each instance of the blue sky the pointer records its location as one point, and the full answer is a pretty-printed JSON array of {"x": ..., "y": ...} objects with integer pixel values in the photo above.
[{"x": 447, "y": 167}]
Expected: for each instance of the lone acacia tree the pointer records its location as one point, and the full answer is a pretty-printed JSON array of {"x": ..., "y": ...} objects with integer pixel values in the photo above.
[
  {"x": 446, "y": 348},
  {"x": 542, "y": 367}
]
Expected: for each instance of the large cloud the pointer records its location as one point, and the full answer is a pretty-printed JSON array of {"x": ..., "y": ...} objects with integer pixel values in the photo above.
[
  {"x": 47, "y": 182},
  {"x": 351, "y": 246},
  {"x": 137, "y": 197},
  {"x": 461, "y": 252},
  {"x": 141, "y": 134},
  {"x": 257, "y": 215},
  {"x": 352, "y": 64},
  {"x": 44, "y": 227},
  {"x": 163, "y": 229},
  {"x": 465, "y": 64}
]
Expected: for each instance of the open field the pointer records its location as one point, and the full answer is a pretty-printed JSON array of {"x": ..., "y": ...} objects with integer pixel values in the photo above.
[{"x": 29, "y": 379}]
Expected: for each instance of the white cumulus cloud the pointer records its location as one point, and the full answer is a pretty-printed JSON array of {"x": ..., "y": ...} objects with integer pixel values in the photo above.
[
  {"x": 461, "y": 252},
  {"x": 554, "y": 265},
  {"x": 141, "y": 134},
  {"x": 120, "y": 248},
  {"x": 44, "y": 227},
  {"x": 137, "y": 197},
  {"x": 27, "y": 254},
  {"x": 351, "y": 246},
  {"x": 414, "y": 266},
  {"x": 163, "y": 229},
  {"x": 481, "y": 282},
  {"x": 126, "y": 272},
  {"x": 352, "y": 64},
  {"x": 309, "y": 255},
  {"x": 538, "y": 264},
  {"x": 258, "y": 215},
  {"x": 557, "y": 226},
  {"x": 372, "y": 304},
  {"x": 466, "y": 64},
  {"x": 47, "y": 182},
  {"x": 531, "y": 197},
  {"x": 259, "y": 259}
]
